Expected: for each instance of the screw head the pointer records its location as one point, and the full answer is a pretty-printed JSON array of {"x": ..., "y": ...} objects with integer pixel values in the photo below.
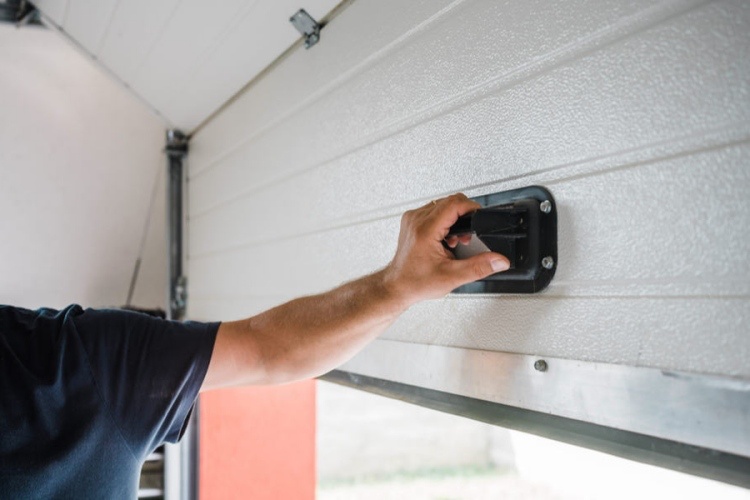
[
  {"x": 545, "y": 206},
  {"x": 548, "y": 262},
  {"x": 540, "y": 365}
]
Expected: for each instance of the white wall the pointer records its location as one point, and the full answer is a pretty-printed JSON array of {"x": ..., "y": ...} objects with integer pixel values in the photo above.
[{"x": 79, "y": 157}]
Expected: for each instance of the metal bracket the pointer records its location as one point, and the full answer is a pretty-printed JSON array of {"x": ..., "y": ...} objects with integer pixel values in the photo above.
[
  {"x": 20, "y": 13},
  {"x": 307, "y": 26},
  {"x": 177, "y": 143}
]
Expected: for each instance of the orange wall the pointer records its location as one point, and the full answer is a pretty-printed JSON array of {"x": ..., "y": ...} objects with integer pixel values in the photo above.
[{"x": 258, "y": 442}]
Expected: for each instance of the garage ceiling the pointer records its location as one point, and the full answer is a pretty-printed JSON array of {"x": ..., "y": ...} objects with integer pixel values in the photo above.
[{"x": 185, "y": 58}]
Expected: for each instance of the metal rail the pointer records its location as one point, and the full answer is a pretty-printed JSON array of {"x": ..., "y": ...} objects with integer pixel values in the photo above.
[{"x": 693, "y": 423}]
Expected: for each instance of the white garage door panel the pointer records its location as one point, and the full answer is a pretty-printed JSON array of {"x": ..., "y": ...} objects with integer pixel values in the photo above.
[
  {"x": 507, "y": 130},
  {"x": 619, "y": 234},
  {"x": 564, "y": 327},
  {"x": 628, "y": 331},
  {"x": 315, "y": 201}
]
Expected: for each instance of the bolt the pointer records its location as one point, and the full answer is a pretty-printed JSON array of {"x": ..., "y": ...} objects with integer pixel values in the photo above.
[
  {"x": 545, "y": 206},
  {"x": 311, "y": 40},
  {"x": 540, "y": 365},
  {"x": 548, "y": 262}
]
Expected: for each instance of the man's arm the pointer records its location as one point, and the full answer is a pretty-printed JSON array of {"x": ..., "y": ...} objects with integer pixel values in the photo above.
[{"x": 312, "y": 335}]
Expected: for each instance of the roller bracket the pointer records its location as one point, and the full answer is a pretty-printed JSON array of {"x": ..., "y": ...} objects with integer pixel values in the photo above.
[
  {"x": 520, "y": 224},
  {"x": 307, "y": 26}
]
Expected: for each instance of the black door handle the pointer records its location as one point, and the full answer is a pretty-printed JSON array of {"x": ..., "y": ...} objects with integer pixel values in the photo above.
[{"x": 520, "y": 224}]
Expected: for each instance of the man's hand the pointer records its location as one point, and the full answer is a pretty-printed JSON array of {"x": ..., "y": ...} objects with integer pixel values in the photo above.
[
  {"x": 312, "y": 335},
  {"x": 423, "y": 268}
]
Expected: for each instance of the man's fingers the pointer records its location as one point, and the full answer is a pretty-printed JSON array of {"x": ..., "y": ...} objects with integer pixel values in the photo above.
[
  {"x": 479, "y": 266},
  {"x": 448, "y": 210},
  {"x": 452, "y": 241}
]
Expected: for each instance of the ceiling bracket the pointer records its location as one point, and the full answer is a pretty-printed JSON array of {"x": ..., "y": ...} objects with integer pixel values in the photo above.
[
  {"x": 307, "y": 26},
  {"x": 20, "y": 13}
]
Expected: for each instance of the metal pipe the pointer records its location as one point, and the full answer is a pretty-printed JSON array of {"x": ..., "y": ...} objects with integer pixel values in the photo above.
[
  {"x": 181, "y": 462},
  {"x": 176, "y": 150}
]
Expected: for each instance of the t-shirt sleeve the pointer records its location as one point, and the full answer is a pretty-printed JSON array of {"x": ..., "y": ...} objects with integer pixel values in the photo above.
[{"x": 148, "y": 370}]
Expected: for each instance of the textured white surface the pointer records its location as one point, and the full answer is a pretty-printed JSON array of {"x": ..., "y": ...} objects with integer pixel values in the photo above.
[
  {"x": 79, "y": 157},
  {"x": 635, "y": 114},
  {"x": 184, "y": 58}
]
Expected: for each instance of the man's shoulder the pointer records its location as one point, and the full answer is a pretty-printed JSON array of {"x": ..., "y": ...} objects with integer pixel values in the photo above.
[{"x": 22, "y": 316}]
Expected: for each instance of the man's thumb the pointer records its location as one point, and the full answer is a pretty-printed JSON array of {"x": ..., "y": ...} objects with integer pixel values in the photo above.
[{"x": 482, "y": 265}]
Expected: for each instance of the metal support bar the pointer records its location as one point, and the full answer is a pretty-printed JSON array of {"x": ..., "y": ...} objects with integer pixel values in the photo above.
[
  {"x": 176, "y": 150},
  {"x": 711, "y": 464},
  {"x": 694, "y": 423},
  {"x": 181, "y": 461}
]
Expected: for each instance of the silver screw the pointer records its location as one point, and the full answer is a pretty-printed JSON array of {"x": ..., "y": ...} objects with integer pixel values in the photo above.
[
  {"x": 548, "y": 262},
  {"x": 540, "y": 365},
  {"x": 545, "y": 206}
]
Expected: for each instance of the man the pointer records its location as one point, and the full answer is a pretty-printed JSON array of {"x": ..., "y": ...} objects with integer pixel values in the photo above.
[{"x": 85, "y": 396}]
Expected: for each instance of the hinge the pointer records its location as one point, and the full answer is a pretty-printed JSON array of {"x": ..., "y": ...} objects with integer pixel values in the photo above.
[{"x": 307, "y": 26}]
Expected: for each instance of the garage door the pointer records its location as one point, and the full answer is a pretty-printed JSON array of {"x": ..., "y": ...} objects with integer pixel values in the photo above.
[{"x": 635, "y": 115}]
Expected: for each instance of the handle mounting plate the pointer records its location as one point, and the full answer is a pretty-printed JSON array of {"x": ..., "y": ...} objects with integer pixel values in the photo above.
[{"x": 520, "y": 224}]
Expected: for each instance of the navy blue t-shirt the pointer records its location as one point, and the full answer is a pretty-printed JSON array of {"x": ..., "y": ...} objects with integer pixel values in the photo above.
[{"x": 86, "y": 395}]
